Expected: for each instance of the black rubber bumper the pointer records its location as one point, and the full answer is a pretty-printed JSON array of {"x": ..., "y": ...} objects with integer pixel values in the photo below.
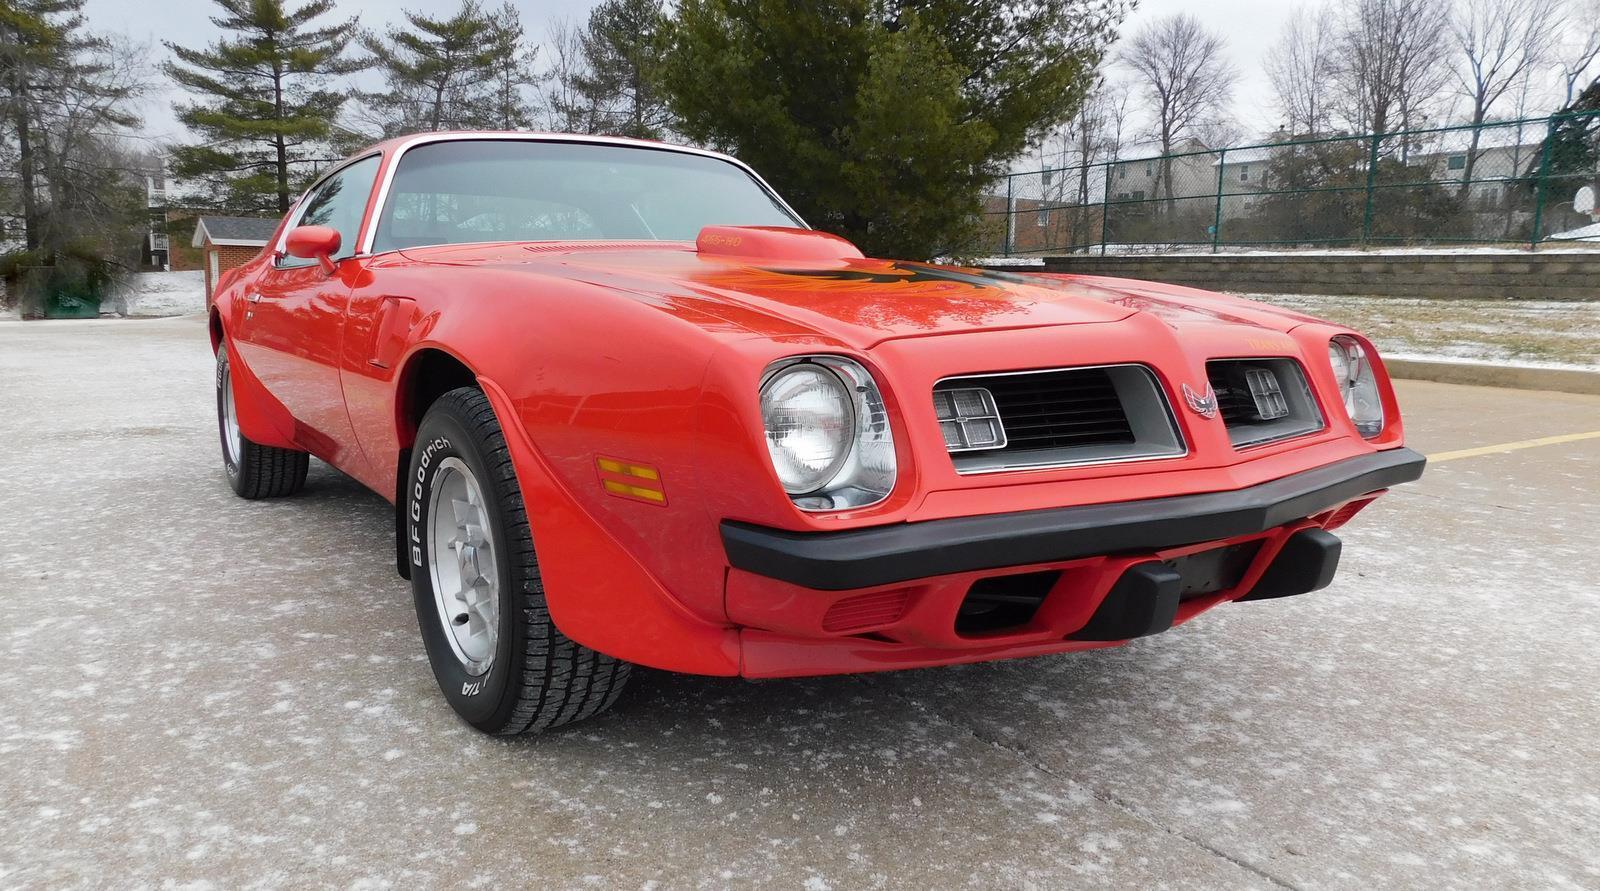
[{"x": 882, "y": 555}]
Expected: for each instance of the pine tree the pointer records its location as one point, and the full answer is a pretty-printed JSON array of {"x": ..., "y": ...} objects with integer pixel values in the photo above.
[
  {"x": 268, "y": 118},
  {"x": 514, "y": 72},
  {"x": 439, "y": 73},
  {"x": 883, "y": 120},
  {"x": 622, "y": 52}
]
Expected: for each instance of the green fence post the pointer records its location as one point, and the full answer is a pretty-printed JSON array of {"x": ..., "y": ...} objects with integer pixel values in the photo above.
[
  {"x": 1372, "y": 179},
  {"x": 1541, "y": 181},
  {"x": 1216, "y": 222},
  {"x": 1105, "y": 210},
  {"x": 1011, "y": 218}
]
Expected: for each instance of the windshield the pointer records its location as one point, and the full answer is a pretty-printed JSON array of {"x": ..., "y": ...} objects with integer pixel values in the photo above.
[{"x": 466, "y": 191}]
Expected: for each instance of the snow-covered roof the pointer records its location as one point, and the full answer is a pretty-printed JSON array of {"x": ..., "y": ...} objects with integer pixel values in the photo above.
[{"x": 234, "y": 231}]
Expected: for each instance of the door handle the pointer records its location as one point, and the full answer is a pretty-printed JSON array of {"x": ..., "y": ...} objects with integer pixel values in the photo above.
[{"x": 253, "y": 297}]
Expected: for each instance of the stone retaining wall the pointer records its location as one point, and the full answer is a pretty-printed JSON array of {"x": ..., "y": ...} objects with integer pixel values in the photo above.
[{"x": 1530, "y": 276}]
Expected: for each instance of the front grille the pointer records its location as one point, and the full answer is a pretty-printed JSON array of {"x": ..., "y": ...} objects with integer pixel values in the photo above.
[
  {"x": 1078, "y": 406},
  {"x": 1234, "y": 404},
  {"x": 1055, "y": 417},
  {"x": 1278, "y": 405}
]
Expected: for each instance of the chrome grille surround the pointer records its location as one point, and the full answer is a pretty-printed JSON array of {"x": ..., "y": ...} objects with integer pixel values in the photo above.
[{"x": 1073, "y": 416}]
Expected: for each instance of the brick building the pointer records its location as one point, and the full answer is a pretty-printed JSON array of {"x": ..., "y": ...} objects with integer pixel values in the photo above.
[{"x": 228, "y": 242}]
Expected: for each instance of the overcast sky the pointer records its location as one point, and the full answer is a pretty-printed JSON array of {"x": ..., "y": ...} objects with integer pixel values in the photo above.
[{"x": 1250, "y": 25}]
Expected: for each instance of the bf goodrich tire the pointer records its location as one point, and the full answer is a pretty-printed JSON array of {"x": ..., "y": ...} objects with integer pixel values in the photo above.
[
  {"x": 502, "y": 664},
  {"x": 253, "y": 470}
]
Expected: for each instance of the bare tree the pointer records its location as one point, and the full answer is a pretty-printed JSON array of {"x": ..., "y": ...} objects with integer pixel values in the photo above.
[
  {"x": 563, "y": 107},
  {"x": 1581, "y": 46},
  {"x": 1395, "y": 55},
  {"x": 1092, "y": 137},
  {"x": 1499, "y": 44},
  {"x": 1301, "y": 66},
  {"x": 1185, "y": 76}
]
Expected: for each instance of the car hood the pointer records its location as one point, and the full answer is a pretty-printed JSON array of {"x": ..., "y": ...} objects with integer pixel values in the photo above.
[{"x": 861, "y": 301}]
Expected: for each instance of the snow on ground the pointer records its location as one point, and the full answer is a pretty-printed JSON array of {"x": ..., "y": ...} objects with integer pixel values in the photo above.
[
  {"x": 1545, "y": 333},
  {"x": 148, "y": 295},
  {"x": 1586, "y": 233},
  {"x": 1176, "y": 250},
  {"x": 160, "y": 294}
]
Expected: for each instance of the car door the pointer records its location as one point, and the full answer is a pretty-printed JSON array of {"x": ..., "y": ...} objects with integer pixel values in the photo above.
[{"x": 294, "y": 318}]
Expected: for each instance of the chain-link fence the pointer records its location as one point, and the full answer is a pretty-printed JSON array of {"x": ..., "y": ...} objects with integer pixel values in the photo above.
[{"x": 1499, "y": 183}]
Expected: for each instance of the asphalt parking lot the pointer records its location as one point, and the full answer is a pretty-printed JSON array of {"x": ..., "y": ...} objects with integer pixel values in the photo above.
[{"x": 201, "y": 691}]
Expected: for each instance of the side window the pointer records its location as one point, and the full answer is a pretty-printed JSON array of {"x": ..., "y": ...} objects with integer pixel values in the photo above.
[{"x": 338, "y": 203}]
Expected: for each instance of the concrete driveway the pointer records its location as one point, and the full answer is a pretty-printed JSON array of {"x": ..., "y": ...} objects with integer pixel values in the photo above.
[{"x": 201, "y": 691}]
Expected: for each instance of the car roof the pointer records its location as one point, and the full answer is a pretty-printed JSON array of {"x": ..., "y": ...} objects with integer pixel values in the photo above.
[{"x": 398, "y": 143}]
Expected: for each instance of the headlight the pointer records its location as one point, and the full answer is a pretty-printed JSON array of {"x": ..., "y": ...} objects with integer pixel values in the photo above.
[
  {"x": 827, "y": 433},
  {"x": 1358, "y": 386}
]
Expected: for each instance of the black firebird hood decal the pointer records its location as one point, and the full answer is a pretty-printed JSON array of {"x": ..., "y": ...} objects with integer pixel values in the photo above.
[{"x": 903, "y": 274}]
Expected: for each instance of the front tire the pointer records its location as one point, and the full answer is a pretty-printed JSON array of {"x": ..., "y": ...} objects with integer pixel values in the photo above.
[
  {"x": 253, "y": 470},
  {"x": 501, "y": 663}
]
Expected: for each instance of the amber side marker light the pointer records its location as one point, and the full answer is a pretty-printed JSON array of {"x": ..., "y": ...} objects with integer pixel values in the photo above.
[{"x": 631, "y": 480}]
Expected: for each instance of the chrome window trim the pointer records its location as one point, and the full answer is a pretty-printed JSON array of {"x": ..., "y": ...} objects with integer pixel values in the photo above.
[
  {"x": 281, "y": 249},
  {"x": 1160, "y": 390},
  {"x": 370, "y": 233}
]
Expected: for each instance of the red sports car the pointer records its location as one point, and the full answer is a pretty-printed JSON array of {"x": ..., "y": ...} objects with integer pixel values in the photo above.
[{"x": 630, "y": 410}]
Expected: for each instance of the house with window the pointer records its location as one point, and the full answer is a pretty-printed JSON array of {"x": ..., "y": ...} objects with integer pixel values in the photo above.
[
  {"x": 1140, "y": 179},
  {"x": 229, "y": 242},
  {"x": 1242, "y": 176},
  {"x": 1495, "y": 167}
]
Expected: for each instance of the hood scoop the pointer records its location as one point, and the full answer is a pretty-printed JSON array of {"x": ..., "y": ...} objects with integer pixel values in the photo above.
[{"x": 773, "y": 243}]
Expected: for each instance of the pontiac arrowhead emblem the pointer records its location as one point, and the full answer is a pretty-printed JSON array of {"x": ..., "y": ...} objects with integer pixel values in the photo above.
[{"x": 1204, "y": 405}]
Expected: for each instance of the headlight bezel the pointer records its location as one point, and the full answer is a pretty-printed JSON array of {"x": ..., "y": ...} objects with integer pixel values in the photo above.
[
  {"x": 1350, "y": 359},
  {"x": 868, "y": 471}
]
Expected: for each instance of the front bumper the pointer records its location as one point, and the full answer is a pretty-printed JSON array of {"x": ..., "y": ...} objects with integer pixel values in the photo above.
[
  {"x": 880, "y": 555},
  {"x": 999, "y": 586}
]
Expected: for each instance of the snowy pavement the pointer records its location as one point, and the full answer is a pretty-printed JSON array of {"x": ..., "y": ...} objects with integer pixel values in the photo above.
[{"x": 201, "y": 691}]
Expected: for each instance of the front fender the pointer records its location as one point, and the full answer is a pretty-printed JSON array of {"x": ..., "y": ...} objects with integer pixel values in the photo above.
[{"x": 598, "y": 593}]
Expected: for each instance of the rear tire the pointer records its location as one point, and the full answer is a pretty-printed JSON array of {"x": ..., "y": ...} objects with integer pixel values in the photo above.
[
  {"x": 253, "y": 470},
  {"x": 500, "y": 661}
]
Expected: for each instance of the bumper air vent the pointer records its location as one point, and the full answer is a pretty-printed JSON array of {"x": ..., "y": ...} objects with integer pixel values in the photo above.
[{"x": 1003, "y": 602}]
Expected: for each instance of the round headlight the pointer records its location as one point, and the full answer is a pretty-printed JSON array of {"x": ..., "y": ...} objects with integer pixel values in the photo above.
[
  {"x": 810, "y": 421},
  {"x": 1358, "y": 386}
]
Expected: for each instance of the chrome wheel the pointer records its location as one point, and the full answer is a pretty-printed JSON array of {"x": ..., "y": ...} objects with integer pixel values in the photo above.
[
  {"x": 461, "y": 562},
  {"x": 232, "y": 443}
]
